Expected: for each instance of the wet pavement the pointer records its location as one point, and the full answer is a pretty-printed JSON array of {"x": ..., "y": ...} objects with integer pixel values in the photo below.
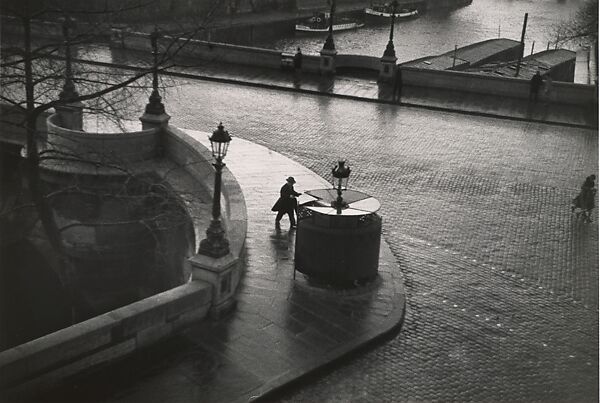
[
  {"x": 283, "y": 328},
  {"x": 501, "y": 279},
  {"x": 366, "y": 87}
]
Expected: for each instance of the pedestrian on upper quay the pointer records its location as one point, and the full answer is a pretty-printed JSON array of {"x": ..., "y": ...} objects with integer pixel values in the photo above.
[
  {"x": 534, "y": 85},
  {"x": 584, "y": 203},
  {"x": 297, "y": 66},
  {"x": 287, "y": 203},
  {"x": 298, "y": 60}
]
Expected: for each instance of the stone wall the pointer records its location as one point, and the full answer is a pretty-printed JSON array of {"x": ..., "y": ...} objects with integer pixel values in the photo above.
[
  {"x": 357, "y": 62},
  {"x": 569, "y": 93},
  {"x": 30, "y": 367},
  {"x": 98, "y": 152}
]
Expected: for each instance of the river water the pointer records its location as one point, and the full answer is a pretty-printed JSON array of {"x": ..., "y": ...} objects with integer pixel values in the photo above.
[{"x": 439, "y": 31}]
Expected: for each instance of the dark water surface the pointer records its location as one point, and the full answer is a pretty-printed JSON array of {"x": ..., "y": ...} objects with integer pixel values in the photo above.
[{"x": 437, "y": 32}]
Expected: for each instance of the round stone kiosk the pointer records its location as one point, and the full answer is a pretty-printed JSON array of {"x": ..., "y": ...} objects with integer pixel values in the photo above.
[{"x": 337, "y": 240}]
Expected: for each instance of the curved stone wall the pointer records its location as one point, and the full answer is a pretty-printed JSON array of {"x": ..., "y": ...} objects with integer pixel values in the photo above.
[
  {"x": 68, "y": 149},
  {"x": 39, "y": 363}
]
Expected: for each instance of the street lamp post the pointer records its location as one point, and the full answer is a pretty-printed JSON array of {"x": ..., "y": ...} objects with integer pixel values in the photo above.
[
  {"x": 389, "y": 59},
  {"x": 154, "y": 114},
  {"x": 155, "y": 105},
  {"x": 69, "y": 108},
  {"x": 329, "y": 45},
  {"x": 328, "y": 52},
  {"x": 340, "y": 175},
  {"x": 215, "y": 244},
  {"x": 389, "y": 49},
  {"x": 68, "y": 92}
]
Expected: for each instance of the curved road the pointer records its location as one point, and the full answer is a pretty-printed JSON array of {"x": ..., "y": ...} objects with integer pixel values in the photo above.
[{"x": 503, "y": 304}]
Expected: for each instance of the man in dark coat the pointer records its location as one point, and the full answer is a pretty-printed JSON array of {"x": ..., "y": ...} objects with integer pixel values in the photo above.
[
  {"x": 585, "y": 199},
  {"x": 286, "y": 204}
]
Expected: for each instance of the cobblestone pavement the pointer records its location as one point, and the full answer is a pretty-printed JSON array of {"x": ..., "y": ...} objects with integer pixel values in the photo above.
[
  {"x": 502, "y": 282},
  {"x": 365, "y": 87},
  {"x": 369, "y": 88}
]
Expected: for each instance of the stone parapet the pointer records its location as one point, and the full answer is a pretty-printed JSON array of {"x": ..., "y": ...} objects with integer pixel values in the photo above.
[
  {"x": 31, "y": 367},
  {"x": 27, "y": 368},
  {"x": 566, "y": 93},
  {"x": 98, "y": 153}
]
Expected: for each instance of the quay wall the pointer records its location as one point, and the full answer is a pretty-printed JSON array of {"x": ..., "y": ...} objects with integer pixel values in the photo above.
[
  {"x": 569, "y": 93},
  {"x": 564, "y": 92},
  {"x": 218, "y": 52}
]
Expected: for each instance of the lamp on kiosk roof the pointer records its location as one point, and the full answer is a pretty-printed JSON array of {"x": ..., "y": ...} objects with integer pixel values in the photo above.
[{"x": 339, "y": 180}]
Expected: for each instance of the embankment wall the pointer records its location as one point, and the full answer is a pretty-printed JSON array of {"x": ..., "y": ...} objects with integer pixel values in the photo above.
[{"x": 562, "y": 92}]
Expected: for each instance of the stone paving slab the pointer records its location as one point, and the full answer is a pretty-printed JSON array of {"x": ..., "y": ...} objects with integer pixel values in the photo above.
[{"x": 282, "y": 329}]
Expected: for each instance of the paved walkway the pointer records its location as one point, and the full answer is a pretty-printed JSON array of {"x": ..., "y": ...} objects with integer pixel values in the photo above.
[
  {"x": 502, "y": 282},
  {"x": 282, "y": 328},
  {"x": 367, "y": 88}
]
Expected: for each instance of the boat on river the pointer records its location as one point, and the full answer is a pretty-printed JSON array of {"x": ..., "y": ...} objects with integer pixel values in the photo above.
[
  {"x": 385, "y": 11},
  {"x": 319, "y": 22}
]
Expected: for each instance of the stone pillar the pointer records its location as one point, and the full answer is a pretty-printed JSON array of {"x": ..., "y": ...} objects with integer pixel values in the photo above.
[
  {"x": 327, "y": 64},
  {"x": 71, "y": 115},
  {"x": 151, "y": 120},
  {"x": 223, "y": 274},
  {"x": 387, "y": 70}
]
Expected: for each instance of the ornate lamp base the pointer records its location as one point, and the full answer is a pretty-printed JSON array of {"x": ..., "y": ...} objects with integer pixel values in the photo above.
[{"x": 215, "y": 244}]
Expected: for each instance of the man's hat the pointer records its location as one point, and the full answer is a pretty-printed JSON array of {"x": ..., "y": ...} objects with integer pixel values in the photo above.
[{"x": 291, "y": 179}]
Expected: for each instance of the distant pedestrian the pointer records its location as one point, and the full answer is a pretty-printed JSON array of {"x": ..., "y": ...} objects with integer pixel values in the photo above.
[
  {"x": 584, "y": 203},
  {"x": 298, "y": 60},
  {"x": 287, "y": 203},
  {"x": 534, "y": 85}
]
